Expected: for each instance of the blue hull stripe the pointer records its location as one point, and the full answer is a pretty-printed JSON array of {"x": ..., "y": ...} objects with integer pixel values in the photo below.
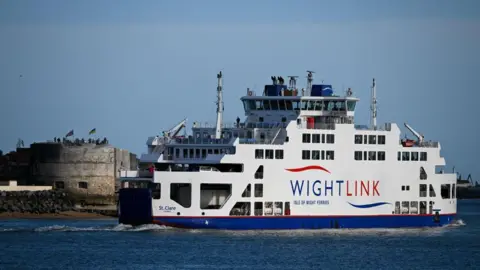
[{"x": 305, "y": 222}]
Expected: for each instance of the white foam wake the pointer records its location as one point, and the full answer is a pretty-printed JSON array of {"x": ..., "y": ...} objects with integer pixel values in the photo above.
[{"x": 65, "y": 228}]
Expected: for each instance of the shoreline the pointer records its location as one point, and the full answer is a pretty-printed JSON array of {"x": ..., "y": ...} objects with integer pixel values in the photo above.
[{"x": 61, "y": 215}]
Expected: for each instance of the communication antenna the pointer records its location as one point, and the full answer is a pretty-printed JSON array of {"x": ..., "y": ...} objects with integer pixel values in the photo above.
[
  {"x": 218, "y": 130},
  {"x": 309, "y": 81},
  {"x": 292, "y": 82},
  {"x": 374, "y": 105}
]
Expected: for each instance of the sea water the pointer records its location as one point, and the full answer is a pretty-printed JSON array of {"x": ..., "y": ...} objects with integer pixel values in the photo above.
[{"x": 104, "y": 244}]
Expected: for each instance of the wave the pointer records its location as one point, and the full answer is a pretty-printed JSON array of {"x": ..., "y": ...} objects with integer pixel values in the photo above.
[{"x": 65, "y": 228}]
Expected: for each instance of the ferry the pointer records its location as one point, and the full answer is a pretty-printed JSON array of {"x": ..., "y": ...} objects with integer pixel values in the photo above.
[{"x": 296, "y": 161}]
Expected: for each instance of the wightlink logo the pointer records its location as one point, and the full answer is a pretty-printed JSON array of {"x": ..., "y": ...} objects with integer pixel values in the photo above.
[{"x": 330, "y": 188}]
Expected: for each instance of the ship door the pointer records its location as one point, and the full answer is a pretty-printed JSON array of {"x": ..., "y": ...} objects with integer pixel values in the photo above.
[{"x": 436, "y": 217}]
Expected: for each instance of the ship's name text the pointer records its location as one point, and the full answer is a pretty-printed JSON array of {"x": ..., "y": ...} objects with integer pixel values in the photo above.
[
  {"x": 166, "y": 208},
  {"x": 330, "y": 187}
]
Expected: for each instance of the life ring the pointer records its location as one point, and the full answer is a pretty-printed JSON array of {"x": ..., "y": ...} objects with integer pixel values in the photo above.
[{"x": 249, "y": 93}]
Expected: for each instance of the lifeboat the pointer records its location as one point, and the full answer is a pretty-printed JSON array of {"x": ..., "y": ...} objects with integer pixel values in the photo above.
[{"x": 408, "y": 143}]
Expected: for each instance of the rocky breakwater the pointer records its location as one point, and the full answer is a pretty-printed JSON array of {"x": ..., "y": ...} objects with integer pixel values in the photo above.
[{"x": 35, "y": 202}]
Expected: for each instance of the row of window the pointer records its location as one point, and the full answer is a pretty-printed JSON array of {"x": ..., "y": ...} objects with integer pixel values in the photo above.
[
  {"x": 61, "y": 185},
  {"x": 369, "y": 139},
  {"x": 318, "y": 138},
  {"x": 268, "y": 154},
  {"x": 200, "y": 153},
  {"x": 369, "y": 155},
  {"x": 408, "y": 207},
  {"x": 411, "y": 156},
  {"x": 318, "y": 155},
  {"x": 247, "y": 193}
]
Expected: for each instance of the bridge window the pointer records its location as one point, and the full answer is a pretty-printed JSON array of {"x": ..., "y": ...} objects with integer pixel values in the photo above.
[
  {"x": 372, "y": 139},
  {"x": 315, "y": 154},
  {"x": 259, "y": 172},
  {"x": 423, "y": 190},
  {"x": 445, "y": 191},
  {"x": 258, "y": 190},
  {"x": 330, "y": 138},
  {"x": 214, "y": 196},
  {"x": 351, "y": 105},
  {"x": 181, "y": 193},
  {"x": 358, "y": 155},
  {"x": 258, "y": 153},
  {"x": 258, "y": 206},
  {"x": 305, "y": 154},
  {"x": 156, "y": 190},
  {"x": 381, "y": 155},
  {"x": 241, "y": 209},
  {"x": 247, "y": 193},
  {"x": 358, "y": 139},
  {"x": 423, "y": 174},
  {"x": 414, "y": 156},
  {"x": 423, "y": 156},
  {"x": 372, "y": 155},
  {"x": 315, "y": 138},
  {"x": 279, "y": 154},
  {"x": 330, "y": 155},
  {"x": 381, "y": 139},
  {"x": 305, "y": 138}
]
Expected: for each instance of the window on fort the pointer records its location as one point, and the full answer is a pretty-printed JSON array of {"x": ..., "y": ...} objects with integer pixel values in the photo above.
[
  {"x": 247, "y": 193},
  {"x": 423, "y": 174},
  {"x": 372, "y": 155},
  {"x": 258, "y": 190},
  {"x": 423, "y": 207},
  {"x": 315, "y": 138},
  {"x": 305, "y": 138},
  {"x": 423, "y": 190},
  {"x": 381, "y": 155},
  {"x": 423, "y": 156},
  {"x": 214, "y": 196},
  {"x": 431, "y": 191},
  {"x": 358, "y": 139},
  {"x": 269, "y": 154},
  {"x": 83, "y": 185},
  {"x": 59, "y": 185},
  {"x": 406, "y": 156},
  {"x": 279, "y": 154},
  {"x": 358, "y": 155},
  {"x": 315, "y": 154},
  {"x": 445, "y": 191},
  {"x": 181, "y": 193},
  {"x": 381, "y": 139},
  {"x": 330, "y": 138},
  {"x": 258, "y": 209},
  {"x": 414, "y": 156},
  {"x": 330, "y": 155},
  {"x": 372, "y": 139},
  {"x": 258, "y": 153},
  {"x": 305, "y": 154},
  {"x": 259, "y": 172},
  {"x": 241, "y": 209},
  {"x": 156, "y": 190}
]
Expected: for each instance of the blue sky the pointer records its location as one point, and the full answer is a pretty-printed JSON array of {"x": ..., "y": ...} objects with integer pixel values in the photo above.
[{"x": 134, "y": 68}]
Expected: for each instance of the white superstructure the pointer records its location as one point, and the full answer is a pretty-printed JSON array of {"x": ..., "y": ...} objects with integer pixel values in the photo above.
[{"x": 296, "y": 161}]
